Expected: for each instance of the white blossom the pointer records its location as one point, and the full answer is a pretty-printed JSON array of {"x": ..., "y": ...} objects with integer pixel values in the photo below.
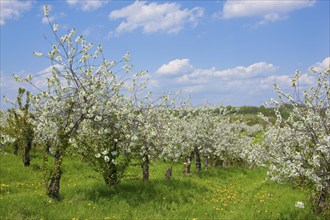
[{"x": 300, "y": 205}]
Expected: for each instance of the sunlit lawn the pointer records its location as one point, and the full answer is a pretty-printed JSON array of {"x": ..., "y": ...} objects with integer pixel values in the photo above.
[{"x": 220, "y": 193}]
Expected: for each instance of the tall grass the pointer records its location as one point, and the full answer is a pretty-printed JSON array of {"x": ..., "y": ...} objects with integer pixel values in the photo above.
[{"x": 220, "y": 193}]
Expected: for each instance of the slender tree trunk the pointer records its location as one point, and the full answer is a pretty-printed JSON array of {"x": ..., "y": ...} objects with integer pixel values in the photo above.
[
  {"x": 187, "y": 164},
  {"x": 111, "y": 177},
  {"x": 206, "y": 163},
  {"x": 15, "y": 148},
  {"x": 26, "y": 155},
  {"x": 145, "y": 169},
  {"x": 198, "y": 160},
  {"x": 53, "y": 190},
  {"x": 47, "y": 147},
  {"x": 168, "y": 173}
]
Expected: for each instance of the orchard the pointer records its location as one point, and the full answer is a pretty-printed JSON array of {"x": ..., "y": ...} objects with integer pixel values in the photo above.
[{"x": 97, "y": 110}]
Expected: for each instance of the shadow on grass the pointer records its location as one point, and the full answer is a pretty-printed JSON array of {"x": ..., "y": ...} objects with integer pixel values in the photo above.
[
  {"x": 230, "y": 173},
  {"x": 137, "y": 192}
]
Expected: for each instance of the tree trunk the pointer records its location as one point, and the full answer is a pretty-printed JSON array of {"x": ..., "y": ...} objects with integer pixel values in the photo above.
[
  {"x": 111, "y": 177},
  {"x": 26, "y": 155},
  {"x": 198, "y": 160},
  {"x": 168, "y": 173},
  {"x": 206, "y": 163},
  {"x": 53, "y": 190},
  {"x": 145, "y": 169},
  {"x": 217, "y": 162},
  {"x": 187, "y": 164},
  {"x": 47, "y": 147},
  {"x": 322, "y": 200},
  {"x": 15, "y": 148}
]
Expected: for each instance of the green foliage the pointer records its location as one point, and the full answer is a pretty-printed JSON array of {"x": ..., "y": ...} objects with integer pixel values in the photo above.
[
  {"x": 250, "y": 113},
  {"x": 18, "y": 128}
]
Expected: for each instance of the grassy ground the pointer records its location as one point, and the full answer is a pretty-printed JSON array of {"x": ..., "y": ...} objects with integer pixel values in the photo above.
[{"x": 226, "y": 193}]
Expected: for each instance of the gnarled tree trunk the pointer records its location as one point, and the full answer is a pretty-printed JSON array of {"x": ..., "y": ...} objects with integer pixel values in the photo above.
[
  {"x": 321, "y": 201},
  {"x": 198, "y": 160},
  {"x": 145, "y": 169},
  {"x": 26, "y": 154},
  {"x": 187, "y": 164},
  {"x": 53, "y": 190}
]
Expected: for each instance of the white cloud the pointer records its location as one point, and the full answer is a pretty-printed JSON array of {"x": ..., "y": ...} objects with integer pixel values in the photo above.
[
  {"x": 175, "y": 67},
  {"x": 193, "y": 89},
  {"x": 323, "y": 65},
  {"x": 153, "y": 17},
  {"x": 12, "y": 9},
  {"x": 253, "y": 70},
  {"x": 240, "y": 72},
  {"x": 87, "y": 5},
  {"x": 40, "y": 79},
  {"x": 232, "y": 85},
  {"x": 8, "y": 88},
  {"x": 284, "y": 81},
  {"x": 270, "y": 10}
]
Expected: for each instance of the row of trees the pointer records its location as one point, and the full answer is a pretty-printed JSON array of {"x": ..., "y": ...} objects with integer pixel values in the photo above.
[{"x": 102, "y": 112}]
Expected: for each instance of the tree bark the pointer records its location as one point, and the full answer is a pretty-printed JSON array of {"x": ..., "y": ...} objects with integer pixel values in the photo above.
[
  {"x": 47, "y": 147},
  {"x": 168, "y": 173},
  {"x": 198, "y": 160},
  {"x": 26, "y": 155},
  {"x": 16, "y": 148},
  {"x": 145, "y": 169},
  {"x": 53, "y": 190},
  {"x": 111, "y": 177},
  {"x": 322, "y": 200},
  {"x": 187, "y": 164},
  {"x": 206, "y": 163}
]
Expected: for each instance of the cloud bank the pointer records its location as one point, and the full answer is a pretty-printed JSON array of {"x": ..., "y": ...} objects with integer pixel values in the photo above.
[
  {"x": 253, "y": 83},
  {"x": 87, "y": 5},
  {"x": 270, "y": 10},
  {"x": 154, "y": 17},
  {"x": 12, "y": 9}
]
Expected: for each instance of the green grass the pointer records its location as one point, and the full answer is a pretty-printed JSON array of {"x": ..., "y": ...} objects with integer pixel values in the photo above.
[{"x": 220, "y": 193}]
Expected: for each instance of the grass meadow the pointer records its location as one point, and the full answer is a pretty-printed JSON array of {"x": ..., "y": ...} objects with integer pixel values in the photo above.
[{"x": 219, "y": 193}]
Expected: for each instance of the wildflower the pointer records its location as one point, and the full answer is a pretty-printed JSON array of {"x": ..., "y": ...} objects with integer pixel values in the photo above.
[{"x": 300, "y": 205}]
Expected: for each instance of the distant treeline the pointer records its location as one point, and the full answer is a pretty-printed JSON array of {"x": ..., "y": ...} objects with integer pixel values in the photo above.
[
  {"x": 250, "y": 113},
  {"x": 269, "y": 111}
]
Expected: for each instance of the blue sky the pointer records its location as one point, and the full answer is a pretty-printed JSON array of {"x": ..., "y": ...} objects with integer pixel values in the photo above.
[{"x": 223, "y": 52}]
